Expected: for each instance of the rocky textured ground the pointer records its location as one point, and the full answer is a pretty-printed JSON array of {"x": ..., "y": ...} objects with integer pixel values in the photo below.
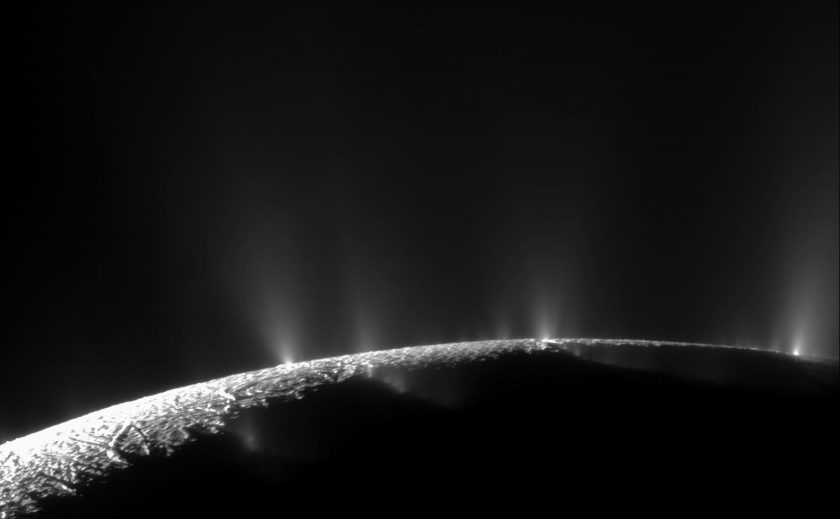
[{"x": 75, "y": 462}]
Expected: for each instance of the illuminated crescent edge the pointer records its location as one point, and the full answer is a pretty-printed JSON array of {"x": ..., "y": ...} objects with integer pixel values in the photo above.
[{"x": 62, "y": 459}]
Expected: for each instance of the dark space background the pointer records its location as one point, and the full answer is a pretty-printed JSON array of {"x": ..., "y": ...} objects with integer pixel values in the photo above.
[{"x": 195, "y": 191}]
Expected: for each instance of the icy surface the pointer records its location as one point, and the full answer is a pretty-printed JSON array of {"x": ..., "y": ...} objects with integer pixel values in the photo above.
[{"x": 62, "y": 459}]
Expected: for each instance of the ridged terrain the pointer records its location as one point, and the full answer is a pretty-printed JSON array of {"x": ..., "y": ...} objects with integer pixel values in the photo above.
[{"x": 61, "y": 460}]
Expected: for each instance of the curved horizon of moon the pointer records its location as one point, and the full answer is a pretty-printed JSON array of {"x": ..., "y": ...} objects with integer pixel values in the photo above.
[{"x": 60, "y": 460}]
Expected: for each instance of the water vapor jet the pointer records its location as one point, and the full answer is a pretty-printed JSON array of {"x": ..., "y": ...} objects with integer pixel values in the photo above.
[{"x": 88, "y": 450}]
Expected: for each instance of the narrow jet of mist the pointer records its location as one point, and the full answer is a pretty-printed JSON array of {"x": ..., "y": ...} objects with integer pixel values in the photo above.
[{"x": 196, "y": 192}]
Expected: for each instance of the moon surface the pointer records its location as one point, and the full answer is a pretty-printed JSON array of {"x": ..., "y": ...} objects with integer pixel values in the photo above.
[{"x": 583, "y": 413}]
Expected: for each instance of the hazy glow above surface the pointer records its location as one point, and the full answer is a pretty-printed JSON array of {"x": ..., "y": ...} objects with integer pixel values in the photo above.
[{"x": 200, "y": 192}]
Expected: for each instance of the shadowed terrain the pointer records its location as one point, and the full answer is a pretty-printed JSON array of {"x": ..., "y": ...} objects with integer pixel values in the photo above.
[{"x": 478, "y": 426}]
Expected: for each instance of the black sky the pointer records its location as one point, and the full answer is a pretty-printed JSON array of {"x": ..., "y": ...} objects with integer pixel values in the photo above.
[{"x": 191, "y": 192}]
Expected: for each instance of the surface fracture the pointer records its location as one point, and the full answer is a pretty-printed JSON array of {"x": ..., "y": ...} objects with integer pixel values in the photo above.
[{"x": 62, "y": 460}]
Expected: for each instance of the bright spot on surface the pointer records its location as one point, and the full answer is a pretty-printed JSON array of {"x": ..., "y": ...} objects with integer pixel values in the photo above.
[
  {"x": 796, "y": 348},
  {"x": 247, "y": 432},
  {"x": 250, "y": 440},
  {"x": 545, "y": 320},
  {"x": 396, "y": 379},
  {"x": 286, "y": 354}
]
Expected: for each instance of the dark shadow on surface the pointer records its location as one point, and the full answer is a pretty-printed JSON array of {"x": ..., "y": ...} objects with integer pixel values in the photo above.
[{"x": 528, "y": 432}]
